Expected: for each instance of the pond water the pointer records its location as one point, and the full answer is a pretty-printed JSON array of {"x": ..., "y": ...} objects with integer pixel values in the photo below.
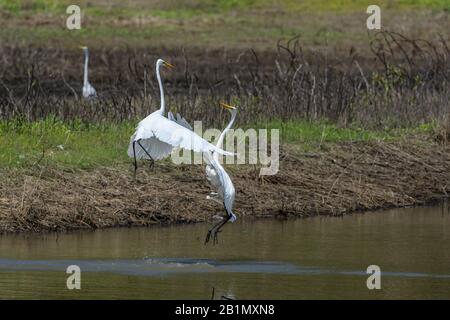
[{"x": 315, "y": 258}]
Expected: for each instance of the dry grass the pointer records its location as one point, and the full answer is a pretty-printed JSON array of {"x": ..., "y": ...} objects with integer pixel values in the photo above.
[
  {"x": 405, "y": 82},
  {"x": 340, "y": 179}
]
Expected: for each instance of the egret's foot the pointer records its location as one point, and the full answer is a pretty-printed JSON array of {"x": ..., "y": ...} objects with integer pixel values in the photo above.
[
  {"x": 211, "y": 235},
  {"x": 214, "y": 231},
  {"x": 208, "y": 236},
  {"x": 216, "y": 238}
]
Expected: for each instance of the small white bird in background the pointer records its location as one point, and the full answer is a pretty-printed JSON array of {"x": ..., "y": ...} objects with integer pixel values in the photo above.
[
  {"x": 220, "y": 179},
  {"x": 156, "y": 135},
  {"x": 88, "y": 90}
]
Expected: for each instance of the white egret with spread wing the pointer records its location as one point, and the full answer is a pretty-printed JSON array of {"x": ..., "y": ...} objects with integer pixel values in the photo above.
[
  {"x": 157, "y": 135},
  {"x": 219, "y": 178},
  {"x": 88, "y": 90}
]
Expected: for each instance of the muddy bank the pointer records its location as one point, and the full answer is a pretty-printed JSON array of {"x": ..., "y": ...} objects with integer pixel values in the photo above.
[{"x": 337, "y": 180}]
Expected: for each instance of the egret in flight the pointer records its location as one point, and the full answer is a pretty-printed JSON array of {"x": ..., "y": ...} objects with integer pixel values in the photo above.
[
  {"x": 220, "y": 179},
  {"x": 88, "y": 90},
  {"x": 157, "y": 135}
]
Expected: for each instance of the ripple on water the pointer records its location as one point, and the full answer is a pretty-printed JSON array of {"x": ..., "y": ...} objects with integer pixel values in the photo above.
[{"x": 158, "y": 266}]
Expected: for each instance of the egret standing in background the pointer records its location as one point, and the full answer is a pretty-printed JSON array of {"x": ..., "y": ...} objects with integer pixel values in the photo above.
[
  {"x": 220, "y": 179},
  {"x": 88, "y": 90},
  {"x": 157, "y": 135}
]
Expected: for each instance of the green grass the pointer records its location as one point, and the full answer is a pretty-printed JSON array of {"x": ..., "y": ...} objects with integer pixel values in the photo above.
[
  {"x": 82, "y": 145},
  {"x": 212, "y": 23},
  {"x": 175, "y": 8},
  {"x": 311, "y": 133},
  {"x": 78, "y": 145},
  {"x": 354, "y": 5}
]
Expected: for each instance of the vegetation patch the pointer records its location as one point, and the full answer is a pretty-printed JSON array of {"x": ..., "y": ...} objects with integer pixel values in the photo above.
[{"x": 337, "y": 179}]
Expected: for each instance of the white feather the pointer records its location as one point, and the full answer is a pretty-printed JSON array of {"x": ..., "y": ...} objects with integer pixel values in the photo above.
[
  {"x": 223, "y": 183},
  {"x": 217, "y": 175},
  {"x": 159, "y": 135},
  {"x": 89, "y": 91}
]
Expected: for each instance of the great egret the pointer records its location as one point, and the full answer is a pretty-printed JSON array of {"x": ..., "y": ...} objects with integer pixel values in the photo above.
[
  {"x": 220, "y": 179},
  {"x": 88, "y": 90},
  {"x": 156, "y": 135}
]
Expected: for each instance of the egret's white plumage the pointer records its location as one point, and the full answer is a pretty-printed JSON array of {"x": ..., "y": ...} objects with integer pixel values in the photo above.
[
  {"x": 219, "y": 178},
  {"x": 156, "y": 135},
  {"x": 88, "y": 90},
  {"x": 214, "y": 167},
  {"x": 211, "y": 172}
]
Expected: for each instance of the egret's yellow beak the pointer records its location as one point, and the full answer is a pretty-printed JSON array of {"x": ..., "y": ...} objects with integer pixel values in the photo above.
[
  {"x": 227, "y": 106},
  {"x": 168, "y": 65},
  {"x": 82, "y": 47}
]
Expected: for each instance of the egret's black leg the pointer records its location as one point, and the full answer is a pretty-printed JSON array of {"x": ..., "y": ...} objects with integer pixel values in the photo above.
[
  {"x": 135, "y": 161},
  {"x": 216, "y": 229},
  {"x": 212, "y": 232},
  {"x": 152, "y": 163}
]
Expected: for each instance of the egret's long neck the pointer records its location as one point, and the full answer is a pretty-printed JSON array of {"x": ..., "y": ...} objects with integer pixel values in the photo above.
[
  {"x": 161, "y": 90},
  {"x": 86, "y": 60},
  {"x": 224, "y": 132}
]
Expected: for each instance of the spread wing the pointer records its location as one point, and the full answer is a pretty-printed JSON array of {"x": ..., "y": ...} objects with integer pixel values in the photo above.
[
  {"x": 155, "y": 148},
  {"x": 162, "y": 134}
]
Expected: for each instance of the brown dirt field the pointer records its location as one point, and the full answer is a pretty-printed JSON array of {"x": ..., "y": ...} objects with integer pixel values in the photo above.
[{"x": 339, "y": 179}]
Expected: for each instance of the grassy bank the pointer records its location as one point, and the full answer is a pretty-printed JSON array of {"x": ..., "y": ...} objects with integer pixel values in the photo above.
[
  {"x": 60, "y": 176},
  {"x": 83, "y": 145},
  {"x": 335, "y": 179}
]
